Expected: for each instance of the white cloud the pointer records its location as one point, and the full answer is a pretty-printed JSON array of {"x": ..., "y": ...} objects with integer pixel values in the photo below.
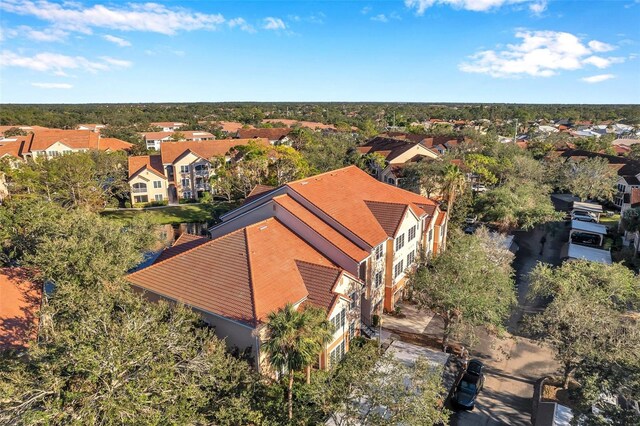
[
  {"x": 598, "y": 46},
  {"x": 53, "y": 85},
  {"x": 119, "y": 63},
  {"x": 539, "y": 54},
  {"x": 598, "y": 78},
  {"x": 271, "y": 23},
  {"x": 116, "y": 40},
  {"x": 150, "y": 17},
  {"x": 421, "y": 6},
  {"x": 57, "y": 63},
  {"x": 242, "y": 24},
  {"x": 538, "y": 7},
  {"x": 380, "y": 18},
  {"x": 365, "y": 10},
  {"x": 45, "y": 35}
]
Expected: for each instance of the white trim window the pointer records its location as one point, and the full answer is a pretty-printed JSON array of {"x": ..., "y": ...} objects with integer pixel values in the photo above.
[
  {"x": 157, "y": 184},
  {"x": 411, "y": 257},
  {"x": 337, "y": 353},
  {"x": 379, "y": 252},
  {"x": 184, "y": 169},
  {"x": 398, "y": 269},
  {"x": 159, "y": 197},
  {"x": 378, "y": 279},
  {"x": 339, "y": 320},
  {"x": 399, "y": 242},
  {"x": 412, "y": 233}
]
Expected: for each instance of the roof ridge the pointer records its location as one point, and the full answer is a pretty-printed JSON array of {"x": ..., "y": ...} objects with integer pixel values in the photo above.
[
  {"x": 254, "y": 309},
  {"x": 208, "y": 243},
  {"x": 388, "y": 202},
  {"x": 336, "y": 268},
  {"x": 322, "y": 174}
]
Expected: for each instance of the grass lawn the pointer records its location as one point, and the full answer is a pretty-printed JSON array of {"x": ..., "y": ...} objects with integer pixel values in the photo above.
[
  {"x": 174, "y": 214},
  {"x": 610, "y": 222}
]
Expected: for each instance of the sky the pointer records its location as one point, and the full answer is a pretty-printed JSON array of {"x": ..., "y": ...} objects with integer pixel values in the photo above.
[{"x": 513, "y": 51}]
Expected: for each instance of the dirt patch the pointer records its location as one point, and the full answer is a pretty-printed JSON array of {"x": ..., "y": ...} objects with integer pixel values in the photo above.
[{"x": 553, "y": 392}]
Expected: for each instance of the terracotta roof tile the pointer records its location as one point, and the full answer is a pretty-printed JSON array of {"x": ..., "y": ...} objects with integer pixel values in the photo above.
[
  {"x": 341, "y": 194},
  {"x": 15, "y": 148},
  {"x": 257, "y": 191},
  {"x": 151, "y": 162},
  {"x": 270, "y": 134},
  {"x": 389, "y": 215},
  {"x": 635, "y": 197},
  {"x": 20, "y": 300},
  {"x": 243, "y": 275},
  {"x": 170, "y": 151},
  {"x": 320, "y": 281},
  {"x": 183, "y": 243},
  {"x": 338, "y": 240},
  {"x": 74, "y": 139}
]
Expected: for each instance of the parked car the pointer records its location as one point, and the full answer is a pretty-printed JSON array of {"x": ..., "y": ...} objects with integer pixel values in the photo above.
[
  {"x": 585, "y": 239},
  {"x": 478, "y": 187},
  {"x": 469, "y": 386},
  {"x": 470, "y": 219},
  {"x": 470, "y": 230},
  {"x": 583, "y": 216}
]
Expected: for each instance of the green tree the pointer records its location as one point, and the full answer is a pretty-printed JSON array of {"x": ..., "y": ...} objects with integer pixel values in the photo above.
[
  {"x": 518, "y": 205},
  {"x": 294, "y": 341},
  {"x": 424, "y": 177},
  {"x": 587, "y": 316},
  {"x": 589, "y": 178},
  {"x": 631, "y": 219},
  {"x": 471, "y": 285},
  {"x": 453, "y": 182}
]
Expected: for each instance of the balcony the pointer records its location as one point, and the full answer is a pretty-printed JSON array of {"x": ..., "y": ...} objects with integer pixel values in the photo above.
[{"x": 138, "y": 190}]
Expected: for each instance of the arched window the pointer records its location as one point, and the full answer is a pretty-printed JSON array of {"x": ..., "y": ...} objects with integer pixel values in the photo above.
[
  {"x": 391, "y": 181},
  {"x": 139, "y": 187}
]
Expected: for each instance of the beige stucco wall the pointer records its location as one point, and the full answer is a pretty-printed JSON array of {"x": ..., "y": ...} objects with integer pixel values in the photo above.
[
  {"x": 58, "y": 148},
  {"x": 190, "y": 160},
  {"x": 4, "y": 191},
  {"x": 147, "y": 177},
  {"x": 409, "y": 154}
]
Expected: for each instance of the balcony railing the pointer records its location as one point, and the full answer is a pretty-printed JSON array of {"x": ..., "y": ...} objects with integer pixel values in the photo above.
[{"x": 139, "y": 190}]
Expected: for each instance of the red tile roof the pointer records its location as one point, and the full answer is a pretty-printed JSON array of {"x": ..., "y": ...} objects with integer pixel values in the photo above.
[
  {"x": 389, "y": 215},
  {"x": 313, "y": 125},
  {"x": 183, "y": 243},
  {"x": 243, "y": 275},
  {"x": 14, "y": 148},
  {"x": 342, "y": 195},
  {"x": 257, "y": 191},
  {"x": 635, "y": 197},
  {"x": 273, "y": 134},
  {"x": 153, "y": 163},
  {"x": 171, "y": 151},
  {"x": 320, "y": 282},
  {"x": 74, "y": 139},
  {"x": 20, "y": 300}
]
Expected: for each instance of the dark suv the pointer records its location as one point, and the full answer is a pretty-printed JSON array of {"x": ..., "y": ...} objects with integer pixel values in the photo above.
[{"x": 469, "y": 386}]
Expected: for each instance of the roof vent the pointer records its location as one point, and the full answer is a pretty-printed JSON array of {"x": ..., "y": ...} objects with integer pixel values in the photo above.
[
  {"x": 304, "y": 183},
  {"x": 262, "y": 228}
]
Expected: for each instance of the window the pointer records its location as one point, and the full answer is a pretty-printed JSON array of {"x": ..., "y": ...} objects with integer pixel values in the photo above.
[
  {"x": 139, "y": 187},
  {"x": 158, "y": 197},
  {"x": 362, "y": 272},
  {"x": 391, "y": 181},
  {"x": 354, "y": 300},
  {"x": 187, "y": 194},
  {"x": 338, "y": 320},
  {"x": 141, "y": 199},
  {"x": 67, "y": 151},
  {"x": 201, "y": 168},
  {"x": 379, "y": 252},
  {"x": 430, "y": 234},
  {"x": 378, "y": 279},
  {"x": 157, "y": 184},
  {"x": 399, "y": 242},
  {"x": 352, "y": 330},
  {"x": 411, "y": 233},
  {"x": 398, "y": 269},
  {"x": 184, "y": 169},
  {"x": 337, "y": 353},
  {"x": 411, "y": 257},
  {"x": 53, "y": 153},
  {"x": 185, "y": 183}
]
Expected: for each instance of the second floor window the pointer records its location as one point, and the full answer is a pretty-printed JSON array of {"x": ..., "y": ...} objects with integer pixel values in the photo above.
[
  {"x": 139, "y": 187},
  {"x": 398, "y": 269},
  {"x": 411, "y": 257},
  {"x": 378, "y": 279},
  {"x": 185, "y": 183},
  {"x": 379, "y": 252},
  {"x": 354, "y": 300},
  {"x": 412, "y": 233},
  {"x": 339, "y": 320},
  {"x": 430, "y": 234},
  {"x": 399, "y": 242},
  {"x": 184, "y": 169},
  {"x": 157, "y": 184}
]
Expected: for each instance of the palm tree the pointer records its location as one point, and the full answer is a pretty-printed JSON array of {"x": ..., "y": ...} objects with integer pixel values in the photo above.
[
  {"x": 294, "y": 340},
  {"x": 453, "y": 182}
]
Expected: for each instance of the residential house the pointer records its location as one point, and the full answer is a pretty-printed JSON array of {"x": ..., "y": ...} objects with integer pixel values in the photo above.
[
  {"x": 275, "y": 136},
  {"x": 20, "y": 300},
  {"x": 53, "y": 143},
  {"x": 235, "y": 280},
  {"x": 312, "y": 125},
  {"x": 372, "y": 230},
  {"x": 168, "y": 126},
  {"x": 180, "y": 171},
  {"x": 154, "y": 139},
  {"x": 229, "y": 127},
  {"x": 26, "y": 129},
  {"x": 396, "y": 153}
]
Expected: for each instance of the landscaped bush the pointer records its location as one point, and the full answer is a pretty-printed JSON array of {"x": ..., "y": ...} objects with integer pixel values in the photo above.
[
  {"x": 187, "y": 200},
  {"x": 150, "y": 204}
]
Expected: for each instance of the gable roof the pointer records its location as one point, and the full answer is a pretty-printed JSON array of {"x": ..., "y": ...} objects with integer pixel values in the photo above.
[
  {"x": 387, "y": 147},
  {"x": 343, "y": 195},
  {"x": 243, "y": 275},
  {"x": 20, "y": 300},
  {"x": 320, "y": 281},
  {"x": 624, "y": 166},
  {"x": 153, "y": 163},
  {"x": 257, "y": 191},
  {"x": 388, "y": 215},
  {"x": 74, "y": 139},
  {"x": 171, "y": 151},
  {"x": 272, "y": 134},
  {"x": 14, "y": 148}
]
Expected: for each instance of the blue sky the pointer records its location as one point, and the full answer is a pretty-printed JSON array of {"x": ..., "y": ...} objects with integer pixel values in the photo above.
[{"x": 519, "y": 51}]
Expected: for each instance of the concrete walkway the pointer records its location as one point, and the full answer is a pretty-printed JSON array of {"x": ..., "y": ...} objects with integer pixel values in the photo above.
[{"x": 411, "y": 320}]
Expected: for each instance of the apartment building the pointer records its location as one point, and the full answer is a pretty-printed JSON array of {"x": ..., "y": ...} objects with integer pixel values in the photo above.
[
  {"x": 168, "y": 126},
  {"x": 154, "y": 139},
  {"x": 234, "y": 281},
  {"x": 180, "y": 171},
  {"x": 372, "y": 230}
]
